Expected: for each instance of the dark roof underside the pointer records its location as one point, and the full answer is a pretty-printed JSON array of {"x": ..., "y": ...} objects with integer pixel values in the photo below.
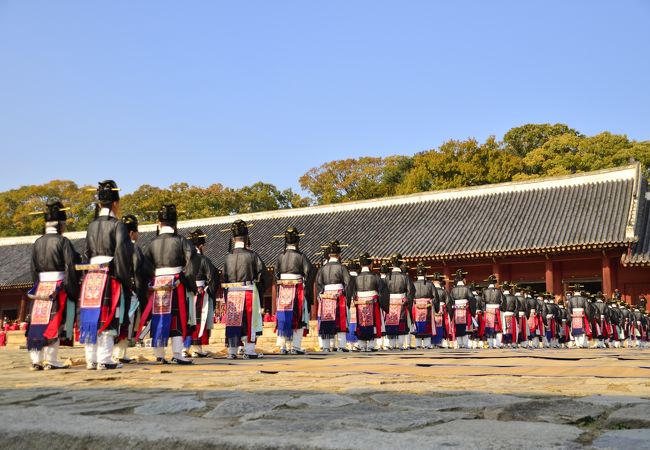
[{"x": 555, "y": 219}]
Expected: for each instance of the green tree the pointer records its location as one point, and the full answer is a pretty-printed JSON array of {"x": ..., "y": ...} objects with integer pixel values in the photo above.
[{"x": 526, "y": 138}]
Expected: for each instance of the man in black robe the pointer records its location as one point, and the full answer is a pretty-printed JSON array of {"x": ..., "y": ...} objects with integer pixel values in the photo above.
[
  {"x": 136, "y": 299},
  {"x": 422, "y": 309},
  {"x": 579, "y": 312},
  {"x": 510, "y": 310},
  {"x": 108, "y": 281},
  {"x": 172, "y": 258},
  {"x": 459, "y": 304},
  {"x": 207, "y": 284},
  {"x": 245, "y": 279},
  {"x": 294, "y": 275},
  {"x": 335, "y": 290},
  {"x": 56, "y": 289},
  {"x": 402, "y": 293},
  {"x": 370, "y": 298},
  {"x": 492, "y": 322}
]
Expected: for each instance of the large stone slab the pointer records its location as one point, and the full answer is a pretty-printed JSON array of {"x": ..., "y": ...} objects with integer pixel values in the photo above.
[
  {"x": 624, "y": 439},
  {"x": 554, "y": 411},
  {"x": 450, "y": 402},
  {"x": 321, "y": 401},
  {"x": 249, "y": 405},
  {"x": 169, "y": 405},
  {"x": 612, "y": 400},
  {"x": 637, "y": 416}
]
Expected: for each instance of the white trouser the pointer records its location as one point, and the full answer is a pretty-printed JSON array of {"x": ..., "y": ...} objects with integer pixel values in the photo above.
[
  {"x": 51, "y": 354},
  {"x": 297, "y": 338},
  {"x": 462, "y": 341},
  {"x": 249, "y": 347},
  {"x": 281, "y": 342},
  {"x": 102, "y": 351},
  {"x": 580, "y": 341},
  {"x": 499, "y": 339},
  {"x": 402, "y": 342},
  {"x": 342, "y": 339},
  {"x": 534, "y": 342},
  {"x": 119, "y": 349},
  {"x": 177, "y": 349},
  {"x": 324, "y": 343},
  {"x": 37, "y": 356}
]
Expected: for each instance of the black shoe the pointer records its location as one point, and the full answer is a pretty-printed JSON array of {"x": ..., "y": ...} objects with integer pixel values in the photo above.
[
  {"x": 231, "y": 356},
  {"x": 109, "y": 366},
  {"x": 255, "y": 356},
  {"x": 36, "y": 367},
  {"x": 182, "y": 362},
  {"x": 296, "y": 351},
  {"x": 126, "y": 360},
  {"x": 199, "y": 354},
  {"x": 162, "y": 360},
  {"x": 49, "y": 366},
  {"x": 343, "y": 349},
  {"x": 283, "y": 351},
  {"x": 373, "y": 349}
]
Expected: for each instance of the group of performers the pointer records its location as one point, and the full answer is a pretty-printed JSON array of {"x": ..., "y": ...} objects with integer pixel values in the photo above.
[{"x": 116, "y": 293}]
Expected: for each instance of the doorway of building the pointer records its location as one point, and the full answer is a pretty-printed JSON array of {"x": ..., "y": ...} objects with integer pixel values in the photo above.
[{"x": 591, "y": 285}]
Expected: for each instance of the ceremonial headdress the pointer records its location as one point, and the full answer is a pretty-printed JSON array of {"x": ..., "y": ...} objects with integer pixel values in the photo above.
[
  {"x": 384, "y": 268},
  {"x": 131, "y": 222},
  {"x": 396, "y": 259},
  {"x": 168, "y": 214},
  {"x": 55, "y": 211},
  {"x": 107, "y": 191},
  {"x": 492, "y": 279},
  {"x": 365, "y": 259},
  {"x": 460, "y": 275},
  {"x": 422, "y": 269},
  {"x": 239, "y": 228},
  {"x": 197, "y": 237}
]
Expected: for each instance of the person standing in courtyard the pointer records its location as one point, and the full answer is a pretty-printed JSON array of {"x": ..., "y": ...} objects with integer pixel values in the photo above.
[{"x": 401, "y": 292}]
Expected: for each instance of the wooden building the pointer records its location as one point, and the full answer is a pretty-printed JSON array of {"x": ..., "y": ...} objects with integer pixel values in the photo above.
[{"x": 547, "y": 233}]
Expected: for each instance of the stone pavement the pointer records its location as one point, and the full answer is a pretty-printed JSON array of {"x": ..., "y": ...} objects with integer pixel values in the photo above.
[{"x": 420, "y": 399}]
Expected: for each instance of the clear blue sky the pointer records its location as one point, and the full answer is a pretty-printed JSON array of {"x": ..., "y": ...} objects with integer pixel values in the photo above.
[{"x": 236, "y": 92}]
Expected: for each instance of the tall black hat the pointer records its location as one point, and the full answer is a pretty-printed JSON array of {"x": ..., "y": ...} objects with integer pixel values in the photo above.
[
  {"x": 197, "y": 237},
  {"x": 55, "y": 211},
  {"x": 506, "y": 285},
  {"x": 460, "y": 275},
  {"x": 642, "y": 303},
  {"x": 107, "y": 191},
  {"x": 168, "y": 214},
  {"x": 292, "y": 236},
  {"x": 396, "y": 259},
  {"x": 422, "y": 269},
  {"x": 353, "y": 266},
  {"x": 365, "y": 259},
  {"x": 404, "y": 268},
  {"x": 384, "y": 267},
  {"x": 131, "y": 222},
  {"x": 332, "y": 247},
  {"x": 437, "y": 276},
  {"x": 239, "y": 228},
  {"x": 492, "y": 279}
]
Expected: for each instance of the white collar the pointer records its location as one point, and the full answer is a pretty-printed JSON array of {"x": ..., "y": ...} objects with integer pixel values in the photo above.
[
  {"x": 421, "y": 277},
  {"x": 333, "y": 259},
  {"x": 240, "y": 244},
  {"x": 51, "y": 230},
  {"x": 291, "y": 247},
  {"x": 198, "y": 251},
  {"x": 132, "y": 241},
  {"x": 353, "y": 274},
  {"x": 460, "y": 283},
  {"x": 437, "y": 284},
  {"x": 397, "y": 269},
  {"x": 365, "y": 269},
  {"x": 490, "y": 286},
  {"x": 506, "y": 292},
  {"x": 166, "y": 230},
  {"x": 106, "y": 212}
]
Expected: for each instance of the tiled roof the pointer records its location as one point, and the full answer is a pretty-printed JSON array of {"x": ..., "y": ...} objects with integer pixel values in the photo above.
[
  {"x": 640, "y": 254},
  {"x": 592, "y": 210}
]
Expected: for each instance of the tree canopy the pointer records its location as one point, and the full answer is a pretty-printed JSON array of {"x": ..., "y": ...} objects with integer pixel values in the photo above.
[{"x": 527, "y": 151}]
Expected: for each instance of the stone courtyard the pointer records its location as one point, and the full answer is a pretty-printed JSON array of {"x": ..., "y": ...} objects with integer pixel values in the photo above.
[{"x": 417, "y": 400}]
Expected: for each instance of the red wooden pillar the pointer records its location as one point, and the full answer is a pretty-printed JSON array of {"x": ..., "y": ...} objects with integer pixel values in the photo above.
[
  {"x": 22, "y": 311},
  {"x": 609, "y": 281},
  {"x": 496, "y": 270},
  {"x": 549, "y": 275},
  {"x": 274, "y": 293},
  {"x": 557, "y": 280}
]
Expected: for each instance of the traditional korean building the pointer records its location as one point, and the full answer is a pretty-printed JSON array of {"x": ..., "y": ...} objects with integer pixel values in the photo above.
[{"x": 548, "y": 233}]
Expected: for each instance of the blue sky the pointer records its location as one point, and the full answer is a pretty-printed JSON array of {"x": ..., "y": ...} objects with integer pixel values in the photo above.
[{"x": 235, "y": 92}]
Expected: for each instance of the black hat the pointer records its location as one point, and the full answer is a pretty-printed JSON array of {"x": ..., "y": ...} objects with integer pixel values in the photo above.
[
  {"x": 353, "y": 266},
  {"x": 460, "y": 275},
  {"x": 384, "y": 267},
  {"x": 365, "y": 259},
  {"x": 292, "y": 236},
  {"x": 476, "y": 287},
  {"x": 333, "y": 247},
  {"x": 168, "y": 214},
  {"x": 506, "y": 285},
  {"x": 131, "y": 222},
  {"x": 239, "y": 228},
  {"x": 422, "y": 269},
  {"x": 396, "y": 259},
  {"x": 437, "y": 276},
  {"x": 492, "y": 279},
  {"x": 404, "y": 268},
  {"x": 55, "y": 211},
  {"x": 107, "y": 191},
  {"x": 197, "y": 237}
]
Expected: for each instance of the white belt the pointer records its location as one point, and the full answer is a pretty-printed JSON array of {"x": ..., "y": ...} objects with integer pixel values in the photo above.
[
  {"x": 200, "y": 283},
  {"x": 51, "y": 276},
  {"x": 168, "y": 270},
  {"x": 460, "y": 302},
  {"x": 101, "y": 259},
  {"x": 492, "y": 306},
  {"x": 334, "y": 287},
  {"x": 397, "y": 296},
  {"x": 365, "y": 294},
  {"x": 291, "y": 276},
  {"x": 508, "y": 314},
  {"x": 549, "y": 316},
  {"x": 522, "y": 314},
  {"x": 578, "y": 310},
  {"x": 602, "y": 317}
]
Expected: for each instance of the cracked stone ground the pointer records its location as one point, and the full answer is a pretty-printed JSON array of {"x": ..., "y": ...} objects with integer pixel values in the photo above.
[{"x": 487, "y": 400}]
